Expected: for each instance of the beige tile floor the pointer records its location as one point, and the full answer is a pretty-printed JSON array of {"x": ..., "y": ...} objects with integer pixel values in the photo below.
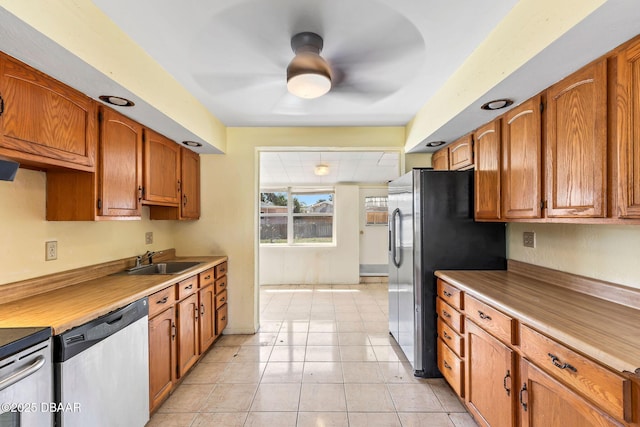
[{"x": 323, "y": 357}]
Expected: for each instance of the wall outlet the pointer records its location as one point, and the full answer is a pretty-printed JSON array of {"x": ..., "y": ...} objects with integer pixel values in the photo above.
[
  {"x": 148, "y": 237},
  {"x": 51, "y": 250},
  {"x": 529, "y": 239}
]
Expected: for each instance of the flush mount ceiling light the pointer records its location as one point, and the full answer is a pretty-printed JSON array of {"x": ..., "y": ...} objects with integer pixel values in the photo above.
[
  {"x": 496, "y": 104},
  {"x": 435, "y": 143},
  {"x": 192, "y": 144},
  {"x": 116, "y": 100},
  {"x": 321, "y": 170},
  {"x": 308, "y": 74}
]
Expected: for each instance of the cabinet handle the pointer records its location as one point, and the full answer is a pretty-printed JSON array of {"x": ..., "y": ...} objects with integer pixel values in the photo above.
[
  {"x": 445, "y": 314},
  {"x": 195, "y": 312},
  {"x": 446, "y": 335},
  {"x": 163, "y": 300},
  {"x": 202, "y": 309},
  {"x": 223, "y": 299},
  {"x": 223, "y": 318},
  {"x": 446, "y": 365},
  {"x": 504, "y": 383},
  {"x": 140, "y": 193},
  {"x": 179, "y": 186},
  {"x": 173, "y": 331},
  {"x": 188, "y": 287},
  {"x": 1, "y": 105},
  {"x": 523, "y": 390},
  {"x": 484, "y": 316},
  {"x": 447, "y": 294},
  {"x": 556, "y": 363},
  {"x": 207, "y": 277},
  {"x": 184, "y": 200}
]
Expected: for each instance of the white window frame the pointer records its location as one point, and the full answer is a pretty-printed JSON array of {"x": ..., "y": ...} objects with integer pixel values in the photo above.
[{"x": 291, "y": 191}]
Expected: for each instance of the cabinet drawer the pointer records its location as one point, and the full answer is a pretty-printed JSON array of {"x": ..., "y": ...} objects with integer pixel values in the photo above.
[
  {"x": 452, "y": 367},
  {"x": 187, "y": 287},
  {"x": 221, "y": 299},
  {"x": 221, "y": 319},
  {"x": 452, "y": 295},
  {"x": 449, "y": 315},
  {"x": 221, "y": 284},
  {"x": 606, "y": 389},
  {"x": 206, "y": 278},
  {"x": 451, "y": 338},
  {"x": 488, "y": 318},
  {"x": 161, "y": 300},
  {"x": 221, "y": 270}
]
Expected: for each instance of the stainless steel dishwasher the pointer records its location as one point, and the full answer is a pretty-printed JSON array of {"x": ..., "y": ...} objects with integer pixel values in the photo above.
[{"x": 101, "y": 370}]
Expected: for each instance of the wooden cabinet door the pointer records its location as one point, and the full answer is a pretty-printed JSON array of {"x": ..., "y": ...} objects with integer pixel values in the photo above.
[
  {"x": 489, "y": 377},
  {"x": 544, "y": 401},
  {"x": 487, "y": 149},
  {"x": 628, "y": 131},
  {"x": 207, "y": 299},
  {"x": 162, "y": 356},
  {"x": 190, "y": 184},
  {"x": 120, "y": 165},
  {"x": 461, "y": 153},
  {"x": 44, "y": 122},
  {"x": 440, "y": 160},
  {"x": 576, "y": 144},
  {"x": 161, "y": 169},
  {"x": 521, "y": 161},
  {"x": 188, "y": 314}
]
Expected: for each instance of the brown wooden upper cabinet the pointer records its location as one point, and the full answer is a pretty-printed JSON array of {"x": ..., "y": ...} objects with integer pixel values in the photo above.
[
  {"x": 190, "y": 184},
  {"x": 521, "y": 161},
  {"x": 440, "y": 159},
  {"x": 487, "y": 153},
  {"x": 161, "y": 170},
  {"x": 115, "y": 191},
  {"x": 628, "y": 131},
  {"x": 576, "y": 144},
  {"x": 461, "y": 153},
  {"x": 43, "y": 122}
]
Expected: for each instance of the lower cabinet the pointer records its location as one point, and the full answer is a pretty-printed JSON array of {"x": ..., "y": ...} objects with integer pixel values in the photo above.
[
  {"x": 546, "y": 402},
  {"x": 185, "y": 319},
  {"x": 490, "y": 374},
  {"x": 162, "y": 356}
]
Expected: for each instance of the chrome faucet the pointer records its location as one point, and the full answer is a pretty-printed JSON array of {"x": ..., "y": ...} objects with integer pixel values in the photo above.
[{"x": 148, "y": 255}]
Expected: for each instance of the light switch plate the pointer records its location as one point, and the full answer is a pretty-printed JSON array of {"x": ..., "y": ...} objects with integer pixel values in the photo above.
[
  {"x": 51, "y": 250},
  {"x": 529, "y": 239}
]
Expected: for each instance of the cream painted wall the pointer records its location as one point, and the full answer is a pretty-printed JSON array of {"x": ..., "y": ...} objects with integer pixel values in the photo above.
[
  {"x": 24, "y": 231},
  {"x": 310, "y": 265},
  {"x": 373, "y": 238},
  {"x": 417, "y": 160},
  {"x": 228, "y": 224},
  {"x": 606, "y": 252}
]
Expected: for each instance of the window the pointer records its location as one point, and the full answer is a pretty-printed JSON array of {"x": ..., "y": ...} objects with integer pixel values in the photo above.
[
  {"x": 295, "y": 216},
  {"x": 376, "y": 210}
]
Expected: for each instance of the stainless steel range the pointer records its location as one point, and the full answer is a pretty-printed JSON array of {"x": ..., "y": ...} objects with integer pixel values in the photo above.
[{"x": 26, "y": 389}]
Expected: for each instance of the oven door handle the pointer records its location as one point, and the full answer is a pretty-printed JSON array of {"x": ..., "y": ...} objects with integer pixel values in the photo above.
[{"x": 23, "y": 373}]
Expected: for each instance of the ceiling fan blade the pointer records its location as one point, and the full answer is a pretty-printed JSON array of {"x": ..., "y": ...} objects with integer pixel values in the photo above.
[
  {"x": 226, "y": 83},
  {"x": 291, "y": 105}
]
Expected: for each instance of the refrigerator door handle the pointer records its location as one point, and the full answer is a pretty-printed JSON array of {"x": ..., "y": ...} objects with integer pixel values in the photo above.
[{"x": 395, "y": 254}]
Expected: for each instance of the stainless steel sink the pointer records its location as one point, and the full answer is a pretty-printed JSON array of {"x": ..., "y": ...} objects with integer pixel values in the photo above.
[{"x": 172, "y": 267}]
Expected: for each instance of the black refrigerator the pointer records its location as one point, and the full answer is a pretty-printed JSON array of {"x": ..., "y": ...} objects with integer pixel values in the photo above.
[{"x": 431, "y": 227}]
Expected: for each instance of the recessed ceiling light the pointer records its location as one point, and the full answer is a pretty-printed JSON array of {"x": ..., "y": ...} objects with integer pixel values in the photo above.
[
  {"x": 192, "y": 143},
  {"x": 435, "y": 143},
  {"x": 496, "y": 104},
  {"x": 116, "y": 100}
]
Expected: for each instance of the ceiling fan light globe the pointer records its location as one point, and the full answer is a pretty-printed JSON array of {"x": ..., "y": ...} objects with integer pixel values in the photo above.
[{"x": 308, "y": 85}]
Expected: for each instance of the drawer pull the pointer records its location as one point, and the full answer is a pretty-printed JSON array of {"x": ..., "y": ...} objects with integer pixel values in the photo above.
[
  {"x": 523, "y": 390},
  {"x": 483, "y": 316},
  {"x": 445, "y": 314},
  {"x": 207, "y": 277},
  {"x": 223, "y": 318},
  {"x": 504, "y": 383},
  {"x": 222, "y": 299},
  {"x": 446, "y": 335},
  {"x": 556, "y": 363},
  {"x": 447, "y": 294},
  {"x": 188, "y": 287},
  {"x": 446, "y": 365},
  {"x": 163, "y": 300}
]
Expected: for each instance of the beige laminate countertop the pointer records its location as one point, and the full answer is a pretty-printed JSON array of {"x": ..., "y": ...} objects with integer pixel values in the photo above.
[
  {"x": 602, "y": 330},
  {"x": 71, "y": 306}
]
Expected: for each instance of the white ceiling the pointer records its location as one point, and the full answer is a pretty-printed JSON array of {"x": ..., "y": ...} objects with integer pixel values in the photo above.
[
  {"x": 390, "y": 55},
  {"x": 296, "y": 168}
]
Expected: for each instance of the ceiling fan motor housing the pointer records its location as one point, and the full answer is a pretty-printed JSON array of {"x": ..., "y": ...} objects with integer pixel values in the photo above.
[{"x": 309, "y": 66}]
